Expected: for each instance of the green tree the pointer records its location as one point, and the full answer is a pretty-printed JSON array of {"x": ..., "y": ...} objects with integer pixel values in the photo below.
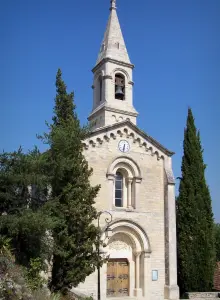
[
  {"x": 195, "y": 234},
  {"x": 72, "y": 196},
  {"x": 64, "y": 109},
  {"x": 23, "y": 194},
  {"x": 217, "y": 241}
]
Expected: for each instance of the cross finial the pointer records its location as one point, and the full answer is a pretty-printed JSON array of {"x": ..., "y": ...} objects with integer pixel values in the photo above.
[{"x": 113, "y": 4}]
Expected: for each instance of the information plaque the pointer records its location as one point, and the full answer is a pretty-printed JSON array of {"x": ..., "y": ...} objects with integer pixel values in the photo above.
[{"x": 154, "y": 275}]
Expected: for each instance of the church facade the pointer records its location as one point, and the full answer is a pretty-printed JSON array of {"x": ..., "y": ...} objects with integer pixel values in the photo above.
[{"x": 137, "y": 185}]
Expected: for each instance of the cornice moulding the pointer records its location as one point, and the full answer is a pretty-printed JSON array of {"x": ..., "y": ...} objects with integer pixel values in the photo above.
[{"x": 117, "y": 62}]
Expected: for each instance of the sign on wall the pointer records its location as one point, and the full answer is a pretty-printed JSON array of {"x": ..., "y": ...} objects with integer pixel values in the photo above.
[{"x": 154, "y": 275}]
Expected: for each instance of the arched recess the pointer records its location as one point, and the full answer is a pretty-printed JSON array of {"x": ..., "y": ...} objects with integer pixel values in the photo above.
[
  {"x": 123, "y": 72},
  {"x": 98, "y": 88},
  {"x": 125, "y": 196},
  {"x": 135, "y": 233},
  {"x": 120, "y": 86},
  {"x": 120, "y": 79},
  {"x": 130, "y": 242},
  {"x": 127, "y": 162}
]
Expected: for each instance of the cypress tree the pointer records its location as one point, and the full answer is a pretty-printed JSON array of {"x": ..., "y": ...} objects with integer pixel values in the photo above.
[
  {"x": 64, "y": 109},
  {"x": 72, "y": 196},
  {"x": 195, "y": 235},
  {"x": 217, "y": 241}
]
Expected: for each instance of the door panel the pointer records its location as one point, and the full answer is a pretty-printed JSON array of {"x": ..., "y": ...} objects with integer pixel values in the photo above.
[
  {"x": 117, "y": 278},
  {"x": 123, "y": 276},
  {"x": 111, "y": 279}
]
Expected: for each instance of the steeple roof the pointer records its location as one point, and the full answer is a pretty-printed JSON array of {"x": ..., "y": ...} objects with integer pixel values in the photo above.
[{"x": 113, "y": 45}]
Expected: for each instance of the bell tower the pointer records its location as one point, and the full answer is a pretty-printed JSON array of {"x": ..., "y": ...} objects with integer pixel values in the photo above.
[{"x": 112, "y": 84}]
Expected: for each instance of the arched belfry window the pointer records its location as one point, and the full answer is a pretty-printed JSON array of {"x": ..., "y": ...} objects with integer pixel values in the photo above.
[
  {"x": 119, "y": 87},
  {"x": 119, "y": 190},
  {"x": 100, "y": 88}
]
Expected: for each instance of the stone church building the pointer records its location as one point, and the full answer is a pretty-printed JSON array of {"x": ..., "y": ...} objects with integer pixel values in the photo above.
[{"x": 137, "y": 185}]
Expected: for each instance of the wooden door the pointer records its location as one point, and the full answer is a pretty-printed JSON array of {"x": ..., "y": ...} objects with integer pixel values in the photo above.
[{"x": 117, "y": 278}]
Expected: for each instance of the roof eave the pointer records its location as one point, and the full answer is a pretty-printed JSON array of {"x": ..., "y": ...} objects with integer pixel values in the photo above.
[{"x": 139, "y": 131}]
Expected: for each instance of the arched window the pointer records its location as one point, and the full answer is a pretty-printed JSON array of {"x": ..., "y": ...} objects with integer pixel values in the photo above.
[
  {"x": 119, "y": 87},
  {"x": 119, "y": 190},
  {"x": 125, "y": 175},
  {"x": 100, "y": 88}
]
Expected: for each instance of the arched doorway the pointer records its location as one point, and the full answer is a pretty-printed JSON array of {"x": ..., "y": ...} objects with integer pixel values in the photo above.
[{"x": 126, "y": 268}]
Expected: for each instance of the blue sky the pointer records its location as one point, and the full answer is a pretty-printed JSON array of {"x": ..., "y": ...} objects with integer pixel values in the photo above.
[{"x": 175, "y": 46}]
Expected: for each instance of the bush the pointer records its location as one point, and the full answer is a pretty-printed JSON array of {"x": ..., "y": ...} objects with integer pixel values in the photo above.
[
  {"x": 17, "y": 282},
  {"x": 34, "y": 279},
  {"x": 12, "y": 282}
]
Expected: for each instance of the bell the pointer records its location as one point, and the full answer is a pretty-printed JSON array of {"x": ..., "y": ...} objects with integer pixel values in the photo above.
[{"x": 119, "y": 93}]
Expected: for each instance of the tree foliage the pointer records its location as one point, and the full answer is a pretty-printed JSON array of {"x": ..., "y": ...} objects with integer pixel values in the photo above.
[
  {"x": 72, "y": 196},
  {"x": 217, "y": 241},
  {"x": 196, "y": 251},
  {"x": 33, "y": 275},
  {"x": 49, "y": 195},
  {"x": 23, "y": 193}
]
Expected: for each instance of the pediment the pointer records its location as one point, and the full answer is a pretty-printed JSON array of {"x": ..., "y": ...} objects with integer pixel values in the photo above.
[{"x": 126, "y": 129}]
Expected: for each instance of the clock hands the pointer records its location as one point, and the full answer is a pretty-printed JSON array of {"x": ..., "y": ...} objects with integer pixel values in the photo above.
[{"x": 123, "y": 146}]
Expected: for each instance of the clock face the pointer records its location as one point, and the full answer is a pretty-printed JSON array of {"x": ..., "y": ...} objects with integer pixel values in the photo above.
[{"x": 123, "y": 146}]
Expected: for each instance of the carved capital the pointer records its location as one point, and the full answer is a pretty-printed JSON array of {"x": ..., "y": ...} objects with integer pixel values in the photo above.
[
  {"x": 110, "y": 176},
  {"x": 107, "y": 77},
  {"x": 129, "y": 180},
  {"x": 138, "y": 179},
  {"x": 137, "y": 253},
  {"x": 147, "y": 254}
]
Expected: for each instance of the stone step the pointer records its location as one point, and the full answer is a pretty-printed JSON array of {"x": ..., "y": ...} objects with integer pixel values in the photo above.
[
  {"x": 204, "y": 296},
  {"x": 207, "y": 298},
  {"x": 123, "y": 298}
]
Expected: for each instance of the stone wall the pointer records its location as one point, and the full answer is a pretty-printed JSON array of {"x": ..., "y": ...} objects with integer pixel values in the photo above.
[{"x": 217, "y": 277}]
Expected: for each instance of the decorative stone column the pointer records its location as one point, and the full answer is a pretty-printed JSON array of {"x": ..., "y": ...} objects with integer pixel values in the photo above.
[
  {"x": 137, "y": 182},
  {"x": 106, "y": 86},
  {"x": 111, "y": 179},
  {"x": 129, "y": 182},
  {"x": 103, "y": 276},
  {"x": 137, "y": 290},
  {"x": 147, "y": 276}
]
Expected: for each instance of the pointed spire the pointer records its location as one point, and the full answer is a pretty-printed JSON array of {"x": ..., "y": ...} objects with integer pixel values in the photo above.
[
  {"x": 113, "y": 45},
  {"x": 113, "y": 4}
]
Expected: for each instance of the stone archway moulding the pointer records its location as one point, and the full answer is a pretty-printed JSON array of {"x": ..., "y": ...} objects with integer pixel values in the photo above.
[
  {"x": 122, "y": 71},
  {"x": 134, "y": 231},
  {"x": 126, "y": 162}
]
